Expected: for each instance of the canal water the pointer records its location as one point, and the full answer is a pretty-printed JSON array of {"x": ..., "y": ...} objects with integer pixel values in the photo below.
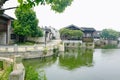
[{"x": 80, "y": 64}]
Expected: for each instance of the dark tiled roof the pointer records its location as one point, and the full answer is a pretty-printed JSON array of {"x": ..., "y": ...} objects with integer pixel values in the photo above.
[
  {"x": 74, "y": 27},
  {"x": 6, "y": 16},
  {"x": 87, "y": 29}
]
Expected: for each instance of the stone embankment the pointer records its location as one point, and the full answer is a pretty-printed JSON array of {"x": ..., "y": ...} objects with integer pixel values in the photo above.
[
  {"x": 17, "y": 53},
  {"x": 34, "y": 51}
]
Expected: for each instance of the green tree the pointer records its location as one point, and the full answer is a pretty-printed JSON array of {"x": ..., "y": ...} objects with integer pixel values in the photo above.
[
  {"x": 67, "y": 33},
  {"x": 26, "y": 24},
  {"x": 109, "y": 34},
  {"x": 56, "y": 5}
]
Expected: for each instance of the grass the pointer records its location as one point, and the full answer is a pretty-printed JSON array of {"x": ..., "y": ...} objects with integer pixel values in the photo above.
[
  {"x": 31, "y": 73},
  {"x": 25, "y": 43}
]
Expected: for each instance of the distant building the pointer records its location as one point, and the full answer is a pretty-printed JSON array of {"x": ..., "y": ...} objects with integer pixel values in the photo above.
[
  {"x": 5, "y": 29},
  {"x": 73, "y": 27},
  {"x": 49, "y": 33},
  {"x": 87, "y": 36},
  {"x": 66, "y": 37},
  {"x": 97, "y": 34}
]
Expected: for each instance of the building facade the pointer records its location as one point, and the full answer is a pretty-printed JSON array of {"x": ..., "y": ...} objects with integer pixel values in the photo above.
[
  {"x": 5, "y": 29},
  {"x": 87, "y": 33}
]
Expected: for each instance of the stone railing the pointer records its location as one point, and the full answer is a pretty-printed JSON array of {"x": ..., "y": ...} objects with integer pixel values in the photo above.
[
  {"x": 18, "y": 72},
  {"x": 6, "y": 62},
  {"x": 16, "y": 48}
]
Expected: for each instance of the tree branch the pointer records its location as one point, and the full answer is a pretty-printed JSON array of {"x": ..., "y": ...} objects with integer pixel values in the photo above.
[{"x": 8, "y": 8}]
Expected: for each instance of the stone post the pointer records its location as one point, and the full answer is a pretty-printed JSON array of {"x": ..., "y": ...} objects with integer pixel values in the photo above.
[
  {"x": 35, "y": 47},
  {"x": 15, "y": 48},
  {"x": 61, "y": 47},
  {"x": 25, "y": 48},
  {"x": 16, "y": 75},
  {"x": 18, "y": 72}
]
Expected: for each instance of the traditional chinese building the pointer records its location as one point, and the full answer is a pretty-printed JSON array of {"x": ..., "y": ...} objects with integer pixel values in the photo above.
[
  {"x": 67, "y": 37},
  {"x": 5, "y": 29},
  {"x": 88, "y": 35}
]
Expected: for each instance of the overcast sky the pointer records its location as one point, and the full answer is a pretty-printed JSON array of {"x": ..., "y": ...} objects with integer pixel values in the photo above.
[{"x": 99, "y": 14}]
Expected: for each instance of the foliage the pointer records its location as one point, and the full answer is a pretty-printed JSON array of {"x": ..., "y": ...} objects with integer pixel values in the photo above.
[
  {"x": 56, "y": 5},
  {"x": 26, "y": 23},
  {"x": 55, "y": 50},
  {"x": 71, "y": 33},
  {"x": 89, "y": 39},
  {"x": 31, "y": 74},
  {"x": 1, "y": 12},
  {"x": 83, "y": 58},
  {"x": 45, "y": 50},
  {"x": 109, "y": 34},
  {"x": 1, "y": 64},
  {"x": 109, "y": 46},
  {"x": 6, "y": 73},
  {"x": 25, "y": 43}
]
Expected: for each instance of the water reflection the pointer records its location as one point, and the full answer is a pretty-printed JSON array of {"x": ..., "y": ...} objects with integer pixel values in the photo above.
[
  {"x": 75, "y": 64},
  {"x": 75, "y": 58},
  {"x": 40, "y": 62}
]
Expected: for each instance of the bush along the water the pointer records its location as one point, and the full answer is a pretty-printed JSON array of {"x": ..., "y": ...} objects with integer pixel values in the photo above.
[
  {"x": 45, "y": 50},
  {"x": 31, "y": 73},
  {"x": 55, "y": 50},
  {"x": 109, "y": 46}
]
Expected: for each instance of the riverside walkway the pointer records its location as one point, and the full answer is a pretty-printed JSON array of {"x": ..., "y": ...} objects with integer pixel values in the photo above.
[
  {"x": 27, "y": 52},
  {"x": 25, "y": 48}
]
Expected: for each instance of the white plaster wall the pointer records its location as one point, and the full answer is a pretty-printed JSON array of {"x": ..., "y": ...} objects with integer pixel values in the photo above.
[
  {"x": 2, "y": 38},
  {"x": 55, "y": 33},
  {"x": 36, "y": 39}
]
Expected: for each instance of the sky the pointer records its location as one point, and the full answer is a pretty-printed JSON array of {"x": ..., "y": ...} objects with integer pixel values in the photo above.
[{"x": 99, "y": 14}]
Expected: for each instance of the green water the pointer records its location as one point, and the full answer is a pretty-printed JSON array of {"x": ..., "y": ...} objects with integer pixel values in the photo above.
[{"x": 97, "y": 64}]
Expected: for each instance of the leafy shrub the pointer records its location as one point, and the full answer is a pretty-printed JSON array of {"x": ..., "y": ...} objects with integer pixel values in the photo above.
[
  {"x": 1, "y": 65},
  {"x": 45, "y": 51},
  {"x": 31, "y": 74},
  {"x": 6, "y": 73},
  {"x": 109, "y": 46},
  {"x": 55, "y": 50}
]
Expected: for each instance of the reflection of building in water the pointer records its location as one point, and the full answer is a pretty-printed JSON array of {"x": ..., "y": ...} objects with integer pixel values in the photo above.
[{"x": 74, "y": 59}]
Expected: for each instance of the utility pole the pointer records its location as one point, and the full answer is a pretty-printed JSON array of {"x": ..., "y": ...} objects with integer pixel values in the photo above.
[{"x": 45, "y": 35}]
